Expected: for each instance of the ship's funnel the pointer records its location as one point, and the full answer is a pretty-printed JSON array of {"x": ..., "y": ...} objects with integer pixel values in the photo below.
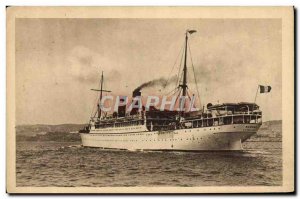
[
  {"x": 135, "y": 93},
  {"x": 122, "y": 108}
]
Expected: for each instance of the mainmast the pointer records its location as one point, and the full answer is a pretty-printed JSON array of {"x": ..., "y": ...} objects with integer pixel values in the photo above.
[{"x": 184, "y": 82}]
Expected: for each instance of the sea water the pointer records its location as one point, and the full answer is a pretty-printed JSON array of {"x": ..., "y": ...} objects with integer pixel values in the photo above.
[{"x": 67, "y": 164}]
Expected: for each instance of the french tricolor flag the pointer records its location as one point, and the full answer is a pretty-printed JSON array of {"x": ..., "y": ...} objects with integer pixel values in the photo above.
[{"x": 264, "y": 89}]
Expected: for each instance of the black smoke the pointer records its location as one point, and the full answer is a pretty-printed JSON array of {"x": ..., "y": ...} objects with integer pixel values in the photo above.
[{"x": 162, "y": 82}]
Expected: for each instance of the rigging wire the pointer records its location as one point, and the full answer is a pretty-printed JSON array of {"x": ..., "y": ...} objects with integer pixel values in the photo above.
[
  {"x": 178, "y": 73},
  {"x": 172, "y": 91},
  {"x": 180, "y": 52},
  {"x": 179, "y": 77},
  {"x": 194, "y": 74},
  {"x": 189, "y": 97},
  {"x": 178, "y": 96},
  {"x": 94, "y": 112},
  {"x": 168, "y": 79}
]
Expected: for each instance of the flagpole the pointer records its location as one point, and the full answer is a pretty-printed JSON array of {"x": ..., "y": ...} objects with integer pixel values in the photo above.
[{"x": 256, "y": 94}]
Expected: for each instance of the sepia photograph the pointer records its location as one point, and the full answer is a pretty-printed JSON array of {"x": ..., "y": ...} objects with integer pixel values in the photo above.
[{"x": 150, "y": 99}]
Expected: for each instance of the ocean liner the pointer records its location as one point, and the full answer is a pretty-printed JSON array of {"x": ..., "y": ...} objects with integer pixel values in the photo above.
[{"x": 222, "y": 126}]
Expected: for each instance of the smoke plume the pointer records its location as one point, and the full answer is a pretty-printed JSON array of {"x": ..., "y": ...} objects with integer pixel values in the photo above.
[{"x": 163, "y": 82}]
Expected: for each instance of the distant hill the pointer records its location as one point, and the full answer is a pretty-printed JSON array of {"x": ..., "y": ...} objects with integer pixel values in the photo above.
[
  {"x": 44, "y": 132},
  {"x": 51, "y": 136},
  {"x": 32, "y": 130},
  {"x": 269, "y": 130}
]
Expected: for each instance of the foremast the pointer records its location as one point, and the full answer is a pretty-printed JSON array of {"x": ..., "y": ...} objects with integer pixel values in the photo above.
[
  {"x": 101, "y": 90},
  {"x": 100, "y": 98}
]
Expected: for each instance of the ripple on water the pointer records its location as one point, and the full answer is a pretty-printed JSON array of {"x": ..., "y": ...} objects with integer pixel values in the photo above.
[{"x": 59, "y": 164}]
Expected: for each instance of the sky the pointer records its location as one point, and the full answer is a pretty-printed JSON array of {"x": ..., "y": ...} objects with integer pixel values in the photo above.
[{"x": 58, "y": 61}]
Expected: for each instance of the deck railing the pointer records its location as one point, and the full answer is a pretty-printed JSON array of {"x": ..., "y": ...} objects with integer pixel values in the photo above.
[
  {"x": 224, "y": 120},
  {"x": 206, "y": 121}
]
